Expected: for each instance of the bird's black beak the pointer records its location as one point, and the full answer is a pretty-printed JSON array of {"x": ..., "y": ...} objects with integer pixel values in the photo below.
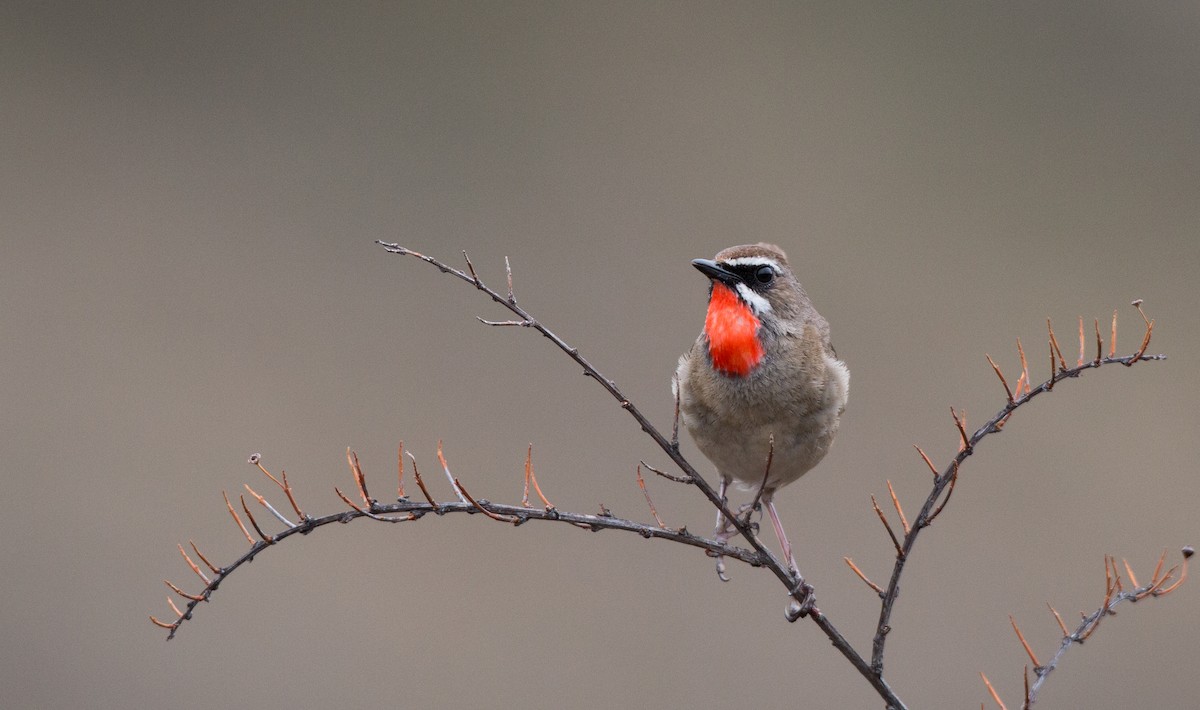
[{"x": 716, "y": 272}]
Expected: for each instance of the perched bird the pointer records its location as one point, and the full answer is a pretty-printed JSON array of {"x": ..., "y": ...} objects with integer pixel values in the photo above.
[{"x": 761, "y": 380}]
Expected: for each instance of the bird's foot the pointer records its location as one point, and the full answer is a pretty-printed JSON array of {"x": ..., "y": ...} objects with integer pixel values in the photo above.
[{"x": 803, "y": 602}]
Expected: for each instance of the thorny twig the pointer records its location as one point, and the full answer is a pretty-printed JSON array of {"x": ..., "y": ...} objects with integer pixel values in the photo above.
[
  {"x": 1114, "y": 594},
  {"x": 945, "y": 481},
  {"x": 406, "y": 510}
]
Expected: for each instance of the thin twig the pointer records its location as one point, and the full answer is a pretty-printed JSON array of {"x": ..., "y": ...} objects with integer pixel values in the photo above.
[
  {"x": 664, "y": 474},
  {"x": 185, "y": 595},
  {"x": 236, "y": 519},
  {"x": 449, "y": 476},
  {"x": 199, "y": 554},
  {"x": 458, "y": 486},
  {"x": 265, "y": 537},
  {"x": 1024, "y": 367},
  {"x": 1061, "y": 624},
  {"x": 270, "y": 508},
  {"x": 887, "y": 526},
  {"x": 1021, "y": 636},
  {"x": 1081, "y": 343},
  {"x": 878, "y": 589},
  {"x": 256, "y": 460},
  {"x": 360, "y": 478},
  {"x": 642, "y": 484},
  {"x": 531, "y": 476},
  {"x": 420, "y": 482},
  {"x": 927, "y": 461},
  {"x": 762, "y": 486},
  {"x": 400, "y": 458},
  {"x": 899, "y": 510},
  {"x": 1112, "y": 346},
  {"x": 1054, "y": 345},
  {"x": 992, "y": 690},
  {"x": 999, "y": 374},
  {"x": 194, "y": 567},
  {"x": 961, "y": 424},
  {"x": 949, "y": 492}
]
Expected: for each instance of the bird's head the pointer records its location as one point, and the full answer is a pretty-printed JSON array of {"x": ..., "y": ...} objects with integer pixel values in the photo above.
[{"x": 753, "y": 294}]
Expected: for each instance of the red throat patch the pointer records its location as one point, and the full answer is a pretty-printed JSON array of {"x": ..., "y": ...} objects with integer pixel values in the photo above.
[{"x": 732, "y": 331}]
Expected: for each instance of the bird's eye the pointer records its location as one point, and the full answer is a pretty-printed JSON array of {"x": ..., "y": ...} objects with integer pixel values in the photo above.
[{"x": 764, "y": 275}]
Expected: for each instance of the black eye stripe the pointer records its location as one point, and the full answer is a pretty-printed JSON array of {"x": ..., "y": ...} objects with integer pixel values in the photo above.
[{"x": 755, "y": 276}]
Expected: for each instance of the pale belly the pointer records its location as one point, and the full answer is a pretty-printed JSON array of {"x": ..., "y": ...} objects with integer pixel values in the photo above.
[{"x": 737, "y": 439}]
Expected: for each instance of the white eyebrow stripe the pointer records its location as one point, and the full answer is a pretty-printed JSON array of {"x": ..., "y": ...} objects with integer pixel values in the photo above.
[
  {"x": 758, "y": 304},
  {"x": 754, "y": 261}
]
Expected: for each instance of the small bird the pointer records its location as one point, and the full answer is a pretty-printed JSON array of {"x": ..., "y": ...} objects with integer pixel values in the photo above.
[{"x": 762, "y": 380}]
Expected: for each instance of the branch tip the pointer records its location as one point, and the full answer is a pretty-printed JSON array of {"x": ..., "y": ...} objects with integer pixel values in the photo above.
[
  {"x": 449, "y": 476},
  {"x": 992, "y": 691},
  {"x": 1024, "y": 368},
  {"x": 927, "y": 461},
  {"x": 1061, "y": 624},
  {"x": 1081, "y": 343},
  {"x": 1112, "y": 346},
  {"x": 1024, "y": 643},
  {"x": 1008, "y": 392},
  {"x": 265, "y": 537},
  {"x": 200, "y": 554},
  {"x": 236, "y": 519},
  {"x": 1057, "y": 351},
  {"x": 400, "y": 466},
  {"x": 421, "y": 484},
  {"x": 642, "y": 484},
  {"x": 899, "y": 510},
  {"x": 185, "y": 595},
  {"x": 887, "y": 526},
  {"x": 194, "y": 567},
  {"x": 878, "y": 589}
]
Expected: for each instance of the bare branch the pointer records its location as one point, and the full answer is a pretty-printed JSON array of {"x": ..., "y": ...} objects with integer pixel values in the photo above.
[
  {"x": 664, "y": 474},
  {"x": 406, "y": 510},
  {"x": 949, "y": 476},
  {"x": 1113, "y": 596}
]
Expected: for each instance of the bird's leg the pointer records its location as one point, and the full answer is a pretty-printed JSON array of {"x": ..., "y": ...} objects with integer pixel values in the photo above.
[
  {"x": 723, "y": 530},
  {"x": 769, "y": 499}
]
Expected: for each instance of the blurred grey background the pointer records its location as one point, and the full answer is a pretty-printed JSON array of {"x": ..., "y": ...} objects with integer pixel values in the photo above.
[{"x": 189, "y": 195}]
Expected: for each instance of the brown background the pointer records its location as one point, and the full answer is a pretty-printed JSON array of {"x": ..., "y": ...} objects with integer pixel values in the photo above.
[{"x": 188, "y": 199}]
